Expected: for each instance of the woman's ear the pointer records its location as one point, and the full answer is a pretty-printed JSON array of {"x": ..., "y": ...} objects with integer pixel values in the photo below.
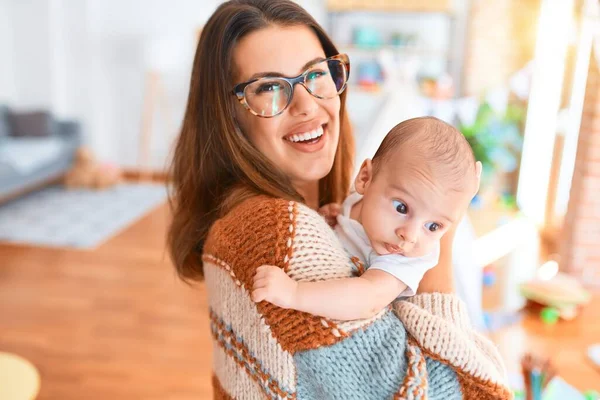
[{"x": 364, "y": 177}]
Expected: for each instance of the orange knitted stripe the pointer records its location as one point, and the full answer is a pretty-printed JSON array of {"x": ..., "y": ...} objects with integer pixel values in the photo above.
[
  {"x": 360, "y": 267},
  {"x": 261, "y": 231},
  {"x": 411, "y": 373},
  {"x": 218, "y": 392}
]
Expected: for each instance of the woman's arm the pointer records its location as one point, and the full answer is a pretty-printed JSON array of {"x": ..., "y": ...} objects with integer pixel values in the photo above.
[
  {"x": 439, "y": 322},
  {"x": 341, "y": 299},
  {"x": 440, "y": 278}
]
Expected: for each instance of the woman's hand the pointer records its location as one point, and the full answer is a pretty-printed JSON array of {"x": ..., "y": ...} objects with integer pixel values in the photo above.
[
  {"x": 330, "y": 212},
  {"x": 273, "y": 285}
]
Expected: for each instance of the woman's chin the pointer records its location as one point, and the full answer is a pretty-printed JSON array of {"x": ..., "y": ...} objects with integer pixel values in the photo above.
[{"x": 311, "y": 172}]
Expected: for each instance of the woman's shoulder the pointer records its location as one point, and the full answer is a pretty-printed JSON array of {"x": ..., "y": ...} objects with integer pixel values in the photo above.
[
  {"x": 258, "y": 207},
  {"x": 265, "y": 230},
  {"x": 261, "y": 226},
  {"x": 264, "y": 216},
  {"x": 260, "y": 215}
]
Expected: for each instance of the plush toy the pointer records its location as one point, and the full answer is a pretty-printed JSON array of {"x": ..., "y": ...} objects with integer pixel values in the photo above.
[{"x": 88, "y": 173}]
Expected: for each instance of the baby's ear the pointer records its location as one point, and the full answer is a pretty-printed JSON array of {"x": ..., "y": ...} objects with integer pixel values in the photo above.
[
  {"x": 478, "y": 169},
  {"x": 363, "y": 179}
]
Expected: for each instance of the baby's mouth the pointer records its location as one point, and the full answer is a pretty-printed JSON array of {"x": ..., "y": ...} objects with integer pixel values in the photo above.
[{"x": 393, "y": 249}]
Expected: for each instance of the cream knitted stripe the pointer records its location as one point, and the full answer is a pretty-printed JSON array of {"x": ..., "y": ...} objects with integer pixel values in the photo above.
[
  {"x": 439, "y": 323},
  {"x": 289, "y": 243},
  {"x": 237, "y": 351},
  {"x": 318, "y": 255},
  {"x": 450, "y": 305},
  {"x": 234, "y": 379},
  {"x": 227, "y": 299}
]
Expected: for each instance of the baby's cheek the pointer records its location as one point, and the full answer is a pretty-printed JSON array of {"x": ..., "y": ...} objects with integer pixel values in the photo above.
[
  {"x": 424, "y": 246},
  {"x": 385, "y": 231}
]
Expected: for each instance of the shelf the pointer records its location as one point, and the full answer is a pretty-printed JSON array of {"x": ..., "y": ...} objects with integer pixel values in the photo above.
[
  {"x": 395, "y": 49},
  {"x": 406, "y": 6}
]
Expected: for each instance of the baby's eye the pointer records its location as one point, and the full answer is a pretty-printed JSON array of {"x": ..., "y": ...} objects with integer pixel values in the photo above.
[
  {"x": 432, "y": 226},
  {"x": 400, "y": 207}
]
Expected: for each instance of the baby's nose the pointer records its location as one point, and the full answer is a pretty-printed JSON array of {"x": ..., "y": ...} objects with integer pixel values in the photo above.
[{"x": 406, "y": 236}]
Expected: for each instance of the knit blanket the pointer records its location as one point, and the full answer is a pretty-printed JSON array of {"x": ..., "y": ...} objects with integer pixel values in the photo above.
[{"x": 422, "y": 348}]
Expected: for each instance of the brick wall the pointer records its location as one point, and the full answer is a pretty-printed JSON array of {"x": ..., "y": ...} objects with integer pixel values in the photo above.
[
  {"x": 580, "y": 252},
  {"x": 500, "y": 41}
]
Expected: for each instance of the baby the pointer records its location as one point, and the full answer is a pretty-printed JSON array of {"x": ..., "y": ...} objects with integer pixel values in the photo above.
[{"x": 416, "y": 188}]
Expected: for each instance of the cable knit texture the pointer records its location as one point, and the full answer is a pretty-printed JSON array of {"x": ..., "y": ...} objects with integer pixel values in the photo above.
[{"x": 421, "y": 348}]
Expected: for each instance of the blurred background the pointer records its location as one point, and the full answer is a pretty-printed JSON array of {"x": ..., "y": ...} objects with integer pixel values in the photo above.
[{"x": 92, "y": 94}]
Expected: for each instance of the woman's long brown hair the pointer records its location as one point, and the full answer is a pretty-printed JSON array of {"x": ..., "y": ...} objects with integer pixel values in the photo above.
[{"x": 214, "y": 166}]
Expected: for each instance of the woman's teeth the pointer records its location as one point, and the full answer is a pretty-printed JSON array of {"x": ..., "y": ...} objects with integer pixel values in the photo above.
[{"x": 302, "y": 137}]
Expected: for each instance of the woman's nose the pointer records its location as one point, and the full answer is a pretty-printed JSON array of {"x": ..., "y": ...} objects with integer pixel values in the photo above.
[{"x": 303, "y": 103}]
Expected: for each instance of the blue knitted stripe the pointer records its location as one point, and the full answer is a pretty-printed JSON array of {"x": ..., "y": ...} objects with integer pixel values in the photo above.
[
  {"x": 234, "y": 346},
  {"x": 443, "y": 381},
  {"x": 370, "y": 364}
]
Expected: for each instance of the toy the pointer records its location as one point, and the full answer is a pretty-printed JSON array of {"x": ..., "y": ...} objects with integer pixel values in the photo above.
[
  {"x": 561, "y": 292},
  {"x": 550, "y": 315},
  {"x": 90, "y": 174},
  {"x": 537, "y": 373},
  {"x": 369, "y": 75},
  {"x": 508, "y": 201},
  {"x": 437, "y": 87},
  {"x": 367, "y": 37},
  {"x": 489, "y": 276},
  {"x": 591, "y": 395},
  {"x": 400, "y": 39}
]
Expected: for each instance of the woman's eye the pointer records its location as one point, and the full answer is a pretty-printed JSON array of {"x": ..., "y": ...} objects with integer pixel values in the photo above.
[
  {"x": 268, "y": 87},
  {"x": 400, "y": 207},
  {"x": 315, "y": 74},
  {"x": 432, "y": 226}
]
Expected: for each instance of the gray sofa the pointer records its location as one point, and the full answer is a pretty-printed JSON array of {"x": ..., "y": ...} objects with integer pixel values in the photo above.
[{"x": 35, "y": 148}]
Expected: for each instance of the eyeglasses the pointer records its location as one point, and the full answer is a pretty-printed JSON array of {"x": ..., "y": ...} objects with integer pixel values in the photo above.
[{"x": 270, "y": 96}]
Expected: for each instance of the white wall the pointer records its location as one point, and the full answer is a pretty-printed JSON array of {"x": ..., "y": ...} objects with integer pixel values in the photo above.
[
  {"x": 88, "y": 59},
  {"x": 7, "y": 77},
  {"x": 31, "y": 53}
]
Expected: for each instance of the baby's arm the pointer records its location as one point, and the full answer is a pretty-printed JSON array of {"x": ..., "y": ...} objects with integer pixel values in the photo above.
[{"x": 341, "y": 299}]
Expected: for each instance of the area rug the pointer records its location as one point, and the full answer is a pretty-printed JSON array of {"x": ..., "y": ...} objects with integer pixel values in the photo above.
[{"x": 79, "y": 218}]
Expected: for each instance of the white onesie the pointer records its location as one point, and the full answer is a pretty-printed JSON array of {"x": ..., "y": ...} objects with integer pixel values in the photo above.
[{"x": 409, "y": 270}]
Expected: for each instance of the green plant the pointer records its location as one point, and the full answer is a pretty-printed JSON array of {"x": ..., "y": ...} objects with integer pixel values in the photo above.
[{"x": 496, "y": 139}]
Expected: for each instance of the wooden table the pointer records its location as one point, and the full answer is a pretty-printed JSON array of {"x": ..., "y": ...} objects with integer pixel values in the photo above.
[{"x": 566, "y": 343}]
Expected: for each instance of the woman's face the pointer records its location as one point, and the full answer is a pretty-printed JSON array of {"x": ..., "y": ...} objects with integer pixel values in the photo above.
[{"x": 286, "y": 51}]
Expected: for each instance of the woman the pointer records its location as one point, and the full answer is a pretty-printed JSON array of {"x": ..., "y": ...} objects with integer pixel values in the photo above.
[{"x": 266, "y": 141}]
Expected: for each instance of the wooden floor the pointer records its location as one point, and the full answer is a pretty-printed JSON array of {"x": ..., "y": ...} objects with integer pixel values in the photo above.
[
  {"x": 112, "y": 323},
  {"x": 116, "y": 322}
]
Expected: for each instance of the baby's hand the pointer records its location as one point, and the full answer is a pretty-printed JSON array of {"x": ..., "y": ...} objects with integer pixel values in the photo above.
[
  {"x": 330, "y": 212},
  {"x": 273, "y": 285}
]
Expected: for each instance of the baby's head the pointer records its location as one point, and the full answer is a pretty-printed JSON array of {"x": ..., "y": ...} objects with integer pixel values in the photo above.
[{"x": 417, "y": 186}]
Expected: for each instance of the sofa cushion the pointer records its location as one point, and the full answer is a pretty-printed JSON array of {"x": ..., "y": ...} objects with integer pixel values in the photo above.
[
  {"x": 32, "y": 124},
  {"x": 27, "y": 154},
  {"x": 4, "y": 122}
]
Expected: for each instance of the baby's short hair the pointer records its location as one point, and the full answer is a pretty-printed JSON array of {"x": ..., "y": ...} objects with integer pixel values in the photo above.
[{"x": 444, "y": 149}]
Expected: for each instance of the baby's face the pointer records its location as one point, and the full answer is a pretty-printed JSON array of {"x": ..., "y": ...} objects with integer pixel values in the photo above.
[{"x": 406, "y": 209}]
